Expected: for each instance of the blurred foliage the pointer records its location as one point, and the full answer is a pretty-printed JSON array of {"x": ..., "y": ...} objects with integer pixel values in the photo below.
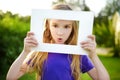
[
  {"x": 104, "y": 32},
  {"x": 13, "y": 29},
  {"x": 111, "y": 7},
  {"x": 106, "y": 17}
]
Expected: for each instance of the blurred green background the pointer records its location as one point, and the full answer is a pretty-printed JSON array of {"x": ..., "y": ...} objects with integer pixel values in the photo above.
[{"x": 106, "y": 28}]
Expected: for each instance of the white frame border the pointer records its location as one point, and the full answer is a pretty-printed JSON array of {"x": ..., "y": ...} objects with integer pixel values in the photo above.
[{"x": 85, "y": 19}]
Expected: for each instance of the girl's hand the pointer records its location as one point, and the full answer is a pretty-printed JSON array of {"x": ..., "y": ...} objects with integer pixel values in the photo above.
[
  {"x": 90, "y": 45},
  {"x": 29, "y": 42}
]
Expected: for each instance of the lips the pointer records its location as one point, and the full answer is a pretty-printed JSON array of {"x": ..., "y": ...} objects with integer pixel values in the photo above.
[{"x": 59, "y": 39}]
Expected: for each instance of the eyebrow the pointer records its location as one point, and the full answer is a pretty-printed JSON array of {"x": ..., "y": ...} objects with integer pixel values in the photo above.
[{"x": 69, "y": 24}]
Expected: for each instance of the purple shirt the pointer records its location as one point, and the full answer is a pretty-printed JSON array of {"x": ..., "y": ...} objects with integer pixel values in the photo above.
[{"x": 57, "y": 67}]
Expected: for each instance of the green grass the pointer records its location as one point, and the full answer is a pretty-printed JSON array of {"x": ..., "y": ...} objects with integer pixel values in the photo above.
[
  {"x": 112, "y": 65},
  {"x": 28, "y": 76}
]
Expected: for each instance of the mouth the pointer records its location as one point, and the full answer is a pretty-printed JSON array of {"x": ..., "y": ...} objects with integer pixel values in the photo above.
[{"x": 59, "y": 39}]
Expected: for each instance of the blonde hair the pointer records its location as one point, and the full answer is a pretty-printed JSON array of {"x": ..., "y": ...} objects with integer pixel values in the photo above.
[{"x": 38, "y": 58}]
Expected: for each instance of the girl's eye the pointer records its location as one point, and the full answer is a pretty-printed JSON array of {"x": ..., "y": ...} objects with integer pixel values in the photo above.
[
  {"x": 67, "y": 26},
  {"x": 55, "y": 26}
]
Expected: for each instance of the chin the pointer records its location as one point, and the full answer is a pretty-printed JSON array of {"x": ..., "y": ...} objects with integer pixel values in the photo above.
[{"x": 59, "y": 43}]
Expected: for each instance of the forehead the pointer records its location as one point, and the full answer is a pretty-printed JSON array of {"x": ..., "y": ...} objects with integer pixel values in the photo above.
[{"x": 60, "y": 21}]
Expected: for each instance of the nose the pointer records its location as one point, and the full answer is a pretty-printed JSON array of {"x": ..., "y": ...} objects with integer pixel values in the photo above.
[{"x": 60, "y": 32}]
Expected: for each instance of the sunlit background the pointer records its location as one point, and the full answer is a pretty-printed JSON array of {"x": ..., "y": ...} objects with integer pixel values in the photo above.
[
  {"x": 23, "y": 7},
  {"x": 15, "y": 16}
]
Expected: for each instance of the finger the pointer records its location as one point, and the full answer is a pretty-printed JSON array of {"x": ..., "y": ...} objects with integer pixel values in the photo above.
[
  {"x": 92, "y": 37},
  {"x": 88, "y": 45},
  {"x": 86, "y": 42},
  {"x": 29, "y": 34},
  {"x": 89, "y": 48},
  {"x": 31, "y": 38},
  {"x": 31, "y": 41},
  {"x": 83, "y": 42},
  {"x": 31, "y": 45}
]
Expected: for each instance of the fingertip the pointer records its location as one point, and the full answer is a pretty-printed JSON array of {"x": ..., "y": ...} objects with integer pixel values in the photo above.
[
  {"x": 89, "y": 36},
  {"x": 82, "y": 42},
  {"x": 92, "y": 37},
  {"x": 30, "y": 33}
]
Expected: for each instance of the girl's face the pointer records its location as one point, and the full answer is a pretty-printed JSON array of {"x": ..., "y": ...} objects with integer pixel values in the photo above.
[{"x": 60, "y": 30}]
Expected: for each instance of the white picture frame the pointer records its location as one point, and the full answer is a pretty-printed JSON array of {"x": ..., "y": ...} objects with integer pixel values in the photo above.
[{"x": 85, "y": 19}]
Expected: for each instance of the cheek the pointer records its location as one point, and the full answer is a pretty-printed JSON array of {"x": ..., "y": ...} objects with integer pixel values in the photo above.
[
  {"x": 52, "y": 31},
  {"x": 68, "y": 32}
]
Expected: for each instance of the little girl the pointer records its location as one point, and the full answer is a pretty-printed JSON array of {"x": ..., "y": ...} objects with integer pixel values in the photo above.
[{"x": 58, "y": 66}]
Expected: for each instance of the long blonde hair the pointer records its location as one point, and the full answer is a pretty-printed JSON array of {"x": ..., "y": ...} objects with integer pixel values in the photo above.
[{"x": 38, "y": 58}]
